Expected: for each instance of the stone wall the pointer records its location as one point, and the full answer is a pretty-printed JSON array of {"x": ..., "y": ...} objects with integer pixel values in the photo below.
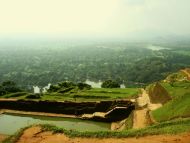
[{"x": 72, "y": 108}]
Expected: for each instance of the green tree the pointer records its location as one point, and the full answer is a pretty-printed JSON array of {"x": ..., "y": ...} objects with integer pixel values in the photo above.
[
  {"x": 8, "y": 87},
  {"x": 82, "y": 86}
]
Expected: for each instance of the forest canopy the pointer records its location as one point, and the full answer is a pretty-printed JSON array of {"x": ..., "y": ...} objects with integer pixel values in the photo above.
[{"x": 130, "y": 64}]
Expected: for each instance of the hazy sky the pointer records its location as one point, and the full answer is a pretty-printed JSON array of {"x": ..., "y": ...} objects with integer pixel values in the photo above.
[{"x": 94, "y": 17}]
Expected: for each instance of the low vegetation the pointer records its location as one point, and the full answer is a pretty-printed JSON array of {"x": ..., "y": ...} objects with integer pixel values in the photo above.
[
  {"x": 179, "y": 106},
  {"x": 15, "y": 95},
  {"x": 94, "y": 94},
  {"x": 179, "y": 88},
  {"x": 8, "y": 87},
  {"x": 33, "y": 96},
  {"x": 14, "y": 138},
  {"x": 78, "y": 92},
  {"x": 129, "y": 122},
  {"x": 170, "y": 127},
  {"x": 110, "y": 84}
]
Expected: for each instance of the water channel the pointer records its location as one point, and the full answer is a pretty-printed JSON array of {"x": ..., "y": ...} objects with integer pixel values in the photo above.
[{"x": 10, "y": 123}]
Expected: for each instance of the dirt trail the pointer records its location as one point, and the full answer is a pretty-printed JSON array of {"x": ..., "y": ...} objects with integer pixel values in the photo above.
[
  {"x": 141, "y": 116},
  {"x": 34, "y": 135}
]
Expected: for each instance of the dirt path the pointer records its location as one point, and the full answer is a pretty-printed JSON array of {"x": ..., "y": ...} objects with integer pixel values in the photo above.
[
  {"x": 34, "y": 135},
  {"x": 141, "y": 116}
]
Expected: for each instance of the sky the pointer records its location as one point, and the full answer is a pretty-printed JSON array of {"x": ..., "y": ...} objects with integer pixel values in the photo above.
[{"x": 94, "y": 18}]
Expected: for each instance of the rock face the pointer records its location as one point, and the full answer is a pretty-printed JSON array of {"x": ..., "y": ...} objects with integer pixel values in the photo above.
[
  {"x": 74, "y": 108},
  {"x": 158, "y": 94}
]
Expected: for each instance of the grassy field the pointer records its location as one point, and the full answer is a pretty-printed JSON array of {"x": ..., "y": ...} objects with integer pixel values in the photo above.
[
  {"x": 94, "y": 94},
  {"x": 179, "y": 106},
  {"x": 178, "y": 89},
  {"x": 170, "y": 127}
]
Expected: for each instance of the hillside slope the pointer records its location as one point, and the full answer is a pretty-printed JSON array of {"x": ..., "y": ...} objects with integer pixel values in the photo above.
[{"x": 179, "y": 91}]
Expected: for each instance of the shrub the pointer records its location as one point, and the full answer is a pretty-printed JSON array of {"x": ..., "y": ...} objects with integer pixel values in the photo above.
[
  {"x": 82, "y": 86},
  {"x": 66, "y": 84},
  {"x": 33, "y": 96},
  {"x": 110, "y": 84},
  {"x": 8, "y": 87},
  {"x": 54, "y": 88}
]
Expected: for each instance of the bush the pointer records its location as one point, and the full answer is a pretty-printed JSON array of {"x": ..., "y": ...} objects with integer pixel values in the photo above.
[
  {"x": 54, "y": 88},
  {"x": 82, "y": 86},
  {"x": 33, "y": 96},
  {"x": 110, "y": 84},
  {"x": 9, "y": 87},
  {"x": 66, "y": 90},
  {"x": 62, "y": 87},
  {"x": 66, "y": 84}
]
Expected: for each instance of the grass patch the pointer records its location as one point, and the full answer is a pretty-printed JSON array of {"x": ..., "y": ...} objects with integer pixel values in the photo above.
[
  {"x": 178, "y": 107},
  {"x": 129, "y": 122},
  {"x": 94, "y": 94},
  {"x": 17, "y": 94},
  {"x": 178, "y": 88},
  {"x": 90, "y": 96},
  {"x": 104, "y": 93}
]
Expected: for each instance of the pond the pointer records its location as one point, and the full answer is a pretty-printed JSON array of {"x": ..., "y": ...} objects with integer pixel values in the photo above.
[{"x": 10, "y": 123}]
